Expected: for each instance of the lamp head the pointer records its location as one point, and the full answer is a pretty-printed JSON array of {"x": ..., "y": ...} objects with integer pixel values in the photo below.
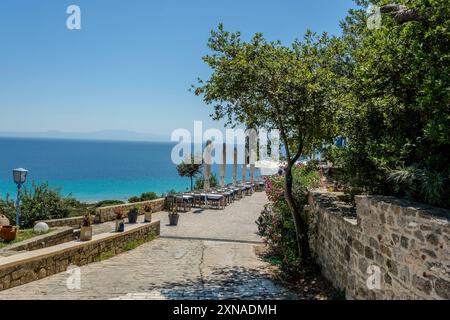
[{"x": 20, "y": 175}]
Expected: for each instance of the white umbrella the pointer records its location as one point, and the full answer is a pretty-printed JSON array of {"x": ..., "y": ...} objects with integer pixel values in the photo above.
[{"x": 268, "y": 167}]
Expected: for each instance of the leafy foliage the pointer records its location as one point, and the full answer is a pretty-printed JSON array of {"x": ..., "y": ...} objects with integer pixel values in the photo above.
[
  {"x": 263, "y": 84},
  {"x": 189, "y": 169},
  {"x": 276, "y": 224},
  {"x": 107, "y": 203},
  {"x": 146, "y": 196},
  {"x": 38, "y": 202},
  {"x": 199, "y": 182},
  {"x": 395, "y": 84}
]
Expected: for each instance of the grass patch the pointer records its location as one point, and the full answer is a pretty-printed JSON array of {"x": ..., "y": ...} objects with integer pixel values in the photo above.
[
  {"x": 130, "y": 245},
  {"x": 22, "y": 235},
  {"x": 136, "y": 243},
  {"x": 107, "y": 255}
]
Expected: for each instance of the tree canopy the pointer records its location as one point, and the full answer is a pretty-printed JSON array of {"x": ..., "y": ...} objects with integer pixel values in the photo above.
[
  {"x": 189, "y": 169},
  {"x": 267, "y": 85},
  {"x": 397, "y": 101}
]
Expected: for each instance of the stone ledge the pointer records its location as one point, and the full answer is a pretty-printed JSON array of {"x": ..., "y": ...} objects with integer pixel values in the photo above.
[
  {"x": 33, "y": 265},
  {"x": 331, "y": 202},
  {"x": 74, "y": 222},
  {"x": 421, "y": 209},
  {"x": 55, "y": 237},
  {"x": 105, "y": 214}
]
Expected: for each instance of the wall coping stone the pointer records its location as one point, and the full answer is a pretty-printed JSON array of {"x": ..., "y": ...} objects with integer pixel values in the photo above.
[
  {"x": 423, "y": 210},
  {"x": 40, "y": 238},
  {"x": 131, "y": 204},
  {"x": 30, "y": 256}
]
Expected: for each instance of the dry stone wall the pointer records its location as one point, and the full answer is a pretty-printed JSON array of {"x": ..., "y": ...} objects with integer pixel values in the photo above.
[
  {"x": 385, "y": 249},
  {"x": 30, "y": 266},
  {"x": 105, "y": 214}
]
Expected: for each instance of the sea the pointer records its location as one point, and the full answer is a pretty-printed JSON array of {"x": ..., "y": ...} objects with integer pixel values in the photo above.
[{"x": 94, "y": 170}]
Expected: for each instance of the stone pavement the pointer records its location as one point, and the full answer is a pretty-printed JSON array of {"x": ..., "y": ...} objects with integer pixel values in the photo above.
[{"x": 209, "y": 255}]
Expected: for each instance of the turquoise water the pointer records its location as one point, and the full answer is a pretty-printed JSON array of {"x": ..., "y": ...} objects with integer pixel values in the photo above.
[{"x": 93, "y": 170}]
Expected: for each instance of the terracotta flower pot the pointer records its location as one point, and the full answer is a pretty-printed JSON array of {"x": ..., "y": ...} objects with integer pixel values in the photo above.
[
  {"x": 8, "y": 233},
  {"x": 86, "y": 233}
]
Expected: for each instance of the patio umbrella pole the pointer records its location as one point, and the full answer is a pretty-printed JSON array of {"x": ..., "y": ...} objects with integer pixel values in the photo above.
[
  {"x": 235, "y": 166},
  {"x": 223, "y": 166},
  {"x": 207, "y": 172},
  {"x": 244, "y": 166}
]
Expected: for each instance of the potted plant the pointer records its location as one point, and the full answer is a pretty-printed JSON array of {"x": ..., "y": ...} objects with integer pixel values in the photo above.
[
  {"x": 86, "y": 228},
  {"x": 148, "y": 213},
  {"x": 174, "y": 216},
  {"x": 133, "y": 215},
  {"x": 8, "y": 233},
  {"x": 120, "y": 222}
]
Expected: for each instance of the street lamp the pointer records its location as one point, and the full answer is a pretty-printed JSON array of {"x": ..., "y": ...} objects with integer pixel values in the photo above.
[{"x": 20, "y": 176}]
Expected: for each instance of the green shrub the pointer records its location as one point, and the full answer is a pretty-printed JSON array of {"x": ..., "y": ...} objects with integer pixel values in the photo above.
[
  {"x": 396, "y": 93},
  {"x": 146, "y": 196},
  {"x": 107, "y": 203},
  {"x": 275, "y": 224},
  {"x": 38, "y": 202},
  {"x": 199, "y": 182}
]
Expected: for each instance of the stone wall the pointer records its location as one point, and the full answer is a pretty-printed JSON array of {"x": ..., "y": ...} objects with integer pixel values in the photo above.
[
  {"x": 54, "y": 237},
  {"x": 30, "y": 266},
  {"x": 74, "y": 222},
  {"x": 402, "y": 244},
  {"x": 105, "y": 214}
]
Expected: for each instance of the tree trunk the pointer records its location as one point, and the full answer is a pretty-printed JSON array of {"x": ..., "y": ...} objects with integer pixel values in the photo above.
[
  {"x": 191, "y": 183},
  {"x": 301, "y": 226}
]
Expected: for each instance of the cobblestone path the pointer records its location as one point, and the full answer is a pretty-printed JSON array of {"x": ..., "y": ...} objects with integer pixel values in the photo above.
[{"x": 209, "y": 255}]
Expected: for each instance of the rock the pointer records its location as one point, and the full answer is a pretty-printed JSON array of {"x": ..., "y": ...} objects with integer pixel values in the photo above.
[
  {"x": 432, "y": 239},
  {"x": 4, "y": 221},
  {"x": 404, "y": 241},
  {"x": 442, "y": 288},
  {"x": 41, "y": 227},
  {"x": 422, "y": 284},
  {"x": 369, "y": 253}
]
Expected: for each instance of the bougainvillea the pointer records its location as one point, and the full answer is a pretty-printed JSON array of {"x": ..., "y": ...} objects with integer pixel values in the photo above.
[{"x": 275, "y": 225}]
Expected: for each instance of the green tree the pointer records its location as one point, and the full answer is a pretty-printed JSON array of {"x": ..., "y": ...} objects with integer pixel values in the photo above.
[
  {"x": 199, "y": 182},
  {"x": 190, "y": 170},
  {"x": 396, "y": 89},
  {"x": 263, "y": 84}
]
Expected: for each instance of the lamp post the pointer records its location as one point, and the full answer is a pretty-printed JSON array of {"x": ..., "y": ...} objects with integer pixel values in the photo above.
[{"x": 20, "y": 176}]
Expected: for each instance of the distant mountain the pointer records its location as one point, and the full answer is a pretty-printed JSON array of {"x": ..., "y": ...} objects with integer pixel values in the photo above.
[{"x": 116, "y": 135}]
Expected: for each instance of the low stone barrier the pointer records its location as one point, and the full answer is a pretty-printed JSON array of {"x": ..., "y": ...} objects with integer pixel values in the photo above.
[
  {"x": 74, "y": 222},
  {"x": 386, "y": 249},
  {"x": 105, "y": 214},
  {"x": 33, "y": 265},
  {"x": 54, "y": 237}
]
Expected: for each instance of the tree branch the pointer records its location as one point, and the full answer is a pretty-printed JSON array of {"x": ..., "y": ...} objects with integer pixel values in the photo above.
[{"x": 401, "y": 13}]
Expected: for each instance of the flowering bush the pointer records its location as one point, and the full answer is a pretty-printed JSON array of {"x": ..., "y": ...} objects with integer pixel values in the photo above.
[{"x": 275, "y": 224}]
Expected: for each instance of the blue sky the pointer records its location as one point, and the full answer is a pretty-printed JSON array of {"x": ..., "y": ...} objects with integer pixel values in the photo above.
[{"x": 132, "y": 63}]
